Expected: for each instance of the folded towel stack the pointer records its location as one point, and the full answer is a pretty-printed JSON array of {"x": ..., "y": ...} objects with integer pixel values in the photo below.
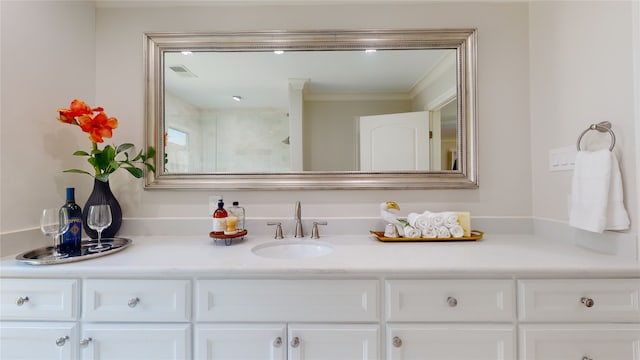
[{"x": 440, "y": 224}]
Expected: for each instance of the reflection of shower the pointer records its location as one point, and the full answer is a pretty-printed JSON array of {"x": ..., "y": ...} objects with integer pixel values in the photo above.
[{"x": 286, "y": 141}]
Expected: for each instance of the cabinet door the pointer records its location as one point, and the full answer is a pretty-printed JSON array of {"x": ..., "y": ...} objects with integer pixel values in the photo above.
[
  {"x": 450, "y": 342},
  {"x": 333, "y": 341},
  {"x": 580, "y": 341},
  {"x": 38, "y": 340},
  {"x": 241, "y": 342},
  {"x": 135, "y": 341}
]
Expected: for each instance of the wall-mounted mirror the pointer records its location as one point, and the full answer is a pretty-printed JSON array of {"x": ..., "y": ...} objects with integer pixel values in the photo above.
[{"x": 392, "y": 109}]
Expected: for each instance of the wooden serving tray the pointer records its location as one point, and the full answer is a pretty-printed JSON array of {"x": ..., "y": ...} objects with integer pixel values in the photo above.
[{"x": 475, "y": 235}]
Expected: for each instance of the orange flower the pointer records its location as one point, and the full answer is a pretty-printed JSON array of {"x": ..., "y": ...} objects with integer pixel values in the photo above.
[
  {"x": 99, "y": 127},
  {"x": 77, "y": 108}
]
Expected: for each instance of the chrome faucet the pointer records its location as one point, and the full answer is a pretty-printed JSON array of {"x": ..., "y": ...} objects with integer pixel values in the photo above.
[{"x": 298, "y": 217}]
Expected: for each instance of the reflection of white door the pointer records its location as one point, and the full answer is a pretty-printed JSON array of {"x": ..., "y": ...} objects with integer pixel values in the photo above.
[{"x": 394, "y": 142}]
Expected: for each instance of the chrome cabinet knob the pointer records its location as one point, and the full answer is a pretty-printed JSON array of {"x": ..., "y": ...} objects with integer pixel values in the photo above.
[
  {"x": 295, "y": 342},
  {"x": 21, "y": 300},
  {"x": 85, "y": 341},
  {"x": 452, "y": 302},
  {"x": 586, "y": 358},
  {"x": 133, "y": 302},
  {"x": 588, "y": 302},
  {"x": 277, "y": 342},
  {"x": 62, "y": 340},
  {"x": 396, "y": 341}
]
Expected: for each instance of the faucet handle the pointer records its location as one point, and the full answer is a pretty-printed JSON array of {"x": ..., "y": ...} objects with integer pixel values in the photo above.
[
  {"x": 315, "y": 234},
  {"x": 278, "y": 226}
]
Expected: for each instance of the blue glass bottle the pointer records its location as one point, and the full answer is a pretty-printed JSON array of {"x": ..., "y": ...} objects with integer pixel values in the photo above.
[{"x": 72, "y": 240}]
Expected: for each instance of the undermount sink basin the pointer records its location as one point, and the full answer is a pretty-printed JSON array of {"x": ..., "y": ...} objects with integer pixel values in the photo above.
[{"x": 293, "y": 249}]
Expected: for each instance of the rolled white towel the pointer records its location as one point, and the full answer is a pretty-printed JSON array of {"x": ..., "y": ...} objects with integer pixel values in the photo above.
[
  {"x": 443, "y": 232},
  {"x": 411, "y": 232},
  {"x": 456, "y": 231},
  {"x": 430, "y": 233},
  {"x": 450, "y": 218},
  {"x": 422, "y": 221},
  {"x": 437, "y": 219},
  {"x": 411, "y": 218}
]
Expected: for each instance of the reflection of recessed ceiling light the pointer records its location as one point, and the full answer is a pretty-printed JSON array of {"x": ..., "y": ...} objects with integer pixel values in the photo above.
[
  {"x": 186, "y": 53},
  {"x": 236, "y": 97},
  {"x": 278, "y": 52},
  {"x": 368, "y": 51}
]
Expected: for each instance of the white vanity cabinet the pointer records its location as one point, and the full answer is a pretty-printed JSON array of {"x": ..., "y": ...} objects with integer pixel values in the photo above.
[
  {"x": 136, "y": 319},
  {"x": 39, "y": 319},
  {"x": 309, "y": 319},
  {"x": 586, "y": 319},
  {"x": 450, "y": 319}
]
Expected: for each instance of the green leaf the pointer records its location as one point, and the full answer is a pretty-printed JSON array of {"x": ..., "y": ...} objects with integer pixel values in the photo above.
[
  {"x": 114, "y": 165},
  {"x": 151, "y": 152},
  {"x": 78, "y": 171},
  {"x": 81, "y": 153},
  {"x": 138, "y": 157},
  {"x": 135, "y": 171},
  {"x": 124, "y": 147},
  {"x": 150, "y": 167}
]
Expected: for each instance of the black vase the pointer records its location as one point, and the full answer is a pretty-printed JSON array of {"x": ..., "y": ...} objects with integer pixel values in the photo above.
[{"x": 102, "y": 195}]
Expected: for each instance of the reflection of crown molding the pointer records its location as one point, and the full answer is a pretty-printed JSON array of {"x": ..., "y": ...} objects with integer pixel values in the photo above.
[
  {"x": 356, "y": 96},
  {"x": 445, "y": 64},
  {"x": 442, "y": 100}
]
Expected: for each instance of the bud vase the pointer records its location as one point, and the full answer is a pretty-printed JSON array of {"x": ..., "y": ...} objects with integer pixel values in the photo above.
[{"x": 102, "y": 195}]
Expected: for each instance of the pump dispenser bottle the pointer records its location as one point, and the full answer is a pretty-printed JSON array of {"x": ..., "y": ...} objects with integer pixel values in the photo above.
[{"x": 220, "y": 218}]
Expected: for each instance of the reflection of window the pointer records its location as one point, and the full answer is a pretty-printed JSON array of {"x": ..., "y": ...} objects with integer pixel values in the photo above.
[{"x": 177, "y": 137}]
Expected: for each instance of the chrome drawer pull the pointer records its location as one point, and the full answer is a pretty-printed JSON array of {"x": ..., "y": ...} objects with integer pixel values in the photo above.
[
  {"x": 277, "y": 342},
  {"x": 85, "y": 342},
  {"x": 133, "y": 302},
  {"x": 453, "y": 302},
  {"x": 397, "y": 342},
  {"x": 62, "y": 340},
  {"x": 21, "y": 300},
  {"x": 588, "y": 302},
  {"x": 295, "y": 342}
]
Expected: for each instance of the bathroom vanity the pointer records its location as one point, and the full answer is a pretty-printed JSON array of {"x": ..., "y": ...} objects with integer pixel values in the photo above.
[{"x": 505, "y": 297}]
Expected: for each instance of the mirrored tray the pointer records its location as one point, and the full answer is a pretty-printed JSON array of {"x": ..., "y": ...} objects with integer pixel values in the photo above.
[{"x": 41, "y": 255}]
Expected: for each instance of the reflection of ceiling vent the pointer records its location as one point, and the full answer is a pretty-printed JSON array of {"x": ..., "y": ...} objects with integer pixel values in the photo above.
[{"x": 182, "y": 70}]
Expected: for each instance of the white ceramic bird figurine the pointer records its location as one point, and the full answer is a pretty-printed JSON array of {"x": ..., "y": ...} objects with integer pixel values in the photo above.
[{"x": 390, "y": 218}]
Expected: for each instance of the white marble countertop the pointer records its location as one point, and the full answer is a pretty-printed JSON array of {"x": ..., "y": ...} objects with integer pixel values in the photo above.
[{"x": 495, "y": 256}]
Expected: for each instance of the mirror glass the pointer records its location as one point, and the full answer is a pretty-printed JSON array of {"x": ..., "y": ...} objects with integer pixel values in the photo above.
[{"x": 352, "y": 109}]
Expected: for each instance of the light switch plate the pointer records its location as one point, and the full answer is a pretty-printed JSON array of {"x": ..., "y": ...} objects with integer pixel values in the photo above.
[{"x": 563, "y": 158}]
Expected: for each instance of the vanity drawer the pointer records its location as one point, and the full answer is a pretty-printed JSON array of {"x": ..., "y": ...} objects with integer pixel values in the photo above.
[
  {"x": 38, "y": 299},
  {"x": 450, "y": 300},
  {"x": 287, "y": 300},
  {"x": 579, "y": 341},
  {"x": 136, "y": 300},
  {"x": 579, "y": 300}
]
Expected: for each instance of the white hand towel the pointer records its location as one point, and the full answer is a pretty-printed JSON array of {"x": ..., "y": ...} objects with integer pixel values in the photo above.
[
  {"x": 450, "y": 218},
  {"x": 422, "y": 221},
  {"x": 456, "y": 231},
  {"x": 596, "y": 193},
  {"x": 437, "y": 219},
  {"x": 411, "y": 232},
  {"x": 443, "y": 232},
  {"x": 430, "y": 233}
]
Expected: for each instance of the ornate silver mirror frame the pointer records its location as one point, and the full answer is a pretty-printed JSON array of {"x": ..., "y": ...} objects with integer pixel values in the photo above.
[{"x": 462, "y": 40}]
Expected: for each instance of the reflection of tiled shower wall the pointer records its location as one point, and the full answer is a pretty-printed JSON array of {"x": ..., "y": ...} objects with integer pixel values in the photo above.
[
  {"x": 248, "y": 140},
  {"x": 228, "y": 140}
]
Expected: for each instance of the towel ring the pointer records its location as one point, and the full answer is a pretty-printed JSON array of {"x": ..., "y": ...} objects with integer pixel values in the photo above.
[{"x": 604, "y": 126}]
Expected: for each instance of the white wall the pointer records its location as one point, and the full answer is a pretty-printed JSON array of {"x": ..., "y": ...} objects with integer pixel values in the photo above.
[
  {"x": 48, "y": 58},
  {"x": 580, "y": 73}
]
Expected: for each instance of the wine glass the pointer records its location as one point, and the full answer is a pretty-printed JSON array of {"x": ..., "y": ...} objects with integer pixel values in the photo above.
[
  {"x": 99, "y": 218},
  {"x": 55, "y": 222}
]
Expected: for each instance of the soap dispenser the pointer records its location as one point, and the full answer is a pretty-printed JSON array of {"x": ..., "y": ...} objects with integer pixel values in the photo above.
[{"x": 220, "y": 218}]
